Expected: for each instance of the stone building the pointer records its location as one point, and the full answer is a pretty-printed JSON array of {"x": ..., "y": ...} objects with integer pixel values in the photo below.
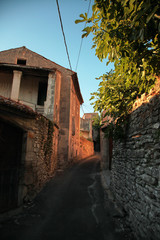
[
  {"x": 89, "y": 115},
  {"x": 40, "y": 112},
  {"x": 86, "y": 128},
  {"x": 86, "y": 137},
  {"x": 88, "y": 131}
]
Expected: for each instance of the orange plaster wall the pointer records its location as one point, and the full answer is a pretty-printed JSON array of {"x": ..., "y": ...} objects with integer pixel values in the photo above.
[
  {"x": 74, "y": 122},
  {"x": 86, "y": 148}
]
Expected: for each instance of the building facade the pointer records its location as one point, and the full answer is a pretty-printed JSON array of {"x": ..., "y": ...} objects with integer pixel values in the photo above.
[{"x": 40, "y": 104}]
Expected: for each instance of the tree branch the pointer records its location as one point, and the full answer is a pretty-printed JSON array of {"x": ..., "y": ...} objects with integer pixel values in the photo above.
[{"x": 157, "y": 16}]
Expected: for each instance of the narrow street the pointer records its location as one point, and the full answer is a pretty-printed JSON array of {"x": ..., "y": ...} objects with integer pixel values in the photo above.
[{"x": 70, "y": 207}]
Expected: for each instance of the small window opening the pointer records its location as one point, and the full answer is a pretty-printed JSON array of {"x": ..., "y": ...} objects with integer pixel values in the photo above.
[{"x": 21, "y": 61}]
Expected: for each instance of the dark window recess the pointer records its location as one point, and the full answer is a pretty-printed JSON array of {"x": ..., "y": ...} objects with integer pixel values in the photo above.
[
  {"x": 21, "y": 61},
  {"x": 42, "y": 93}
]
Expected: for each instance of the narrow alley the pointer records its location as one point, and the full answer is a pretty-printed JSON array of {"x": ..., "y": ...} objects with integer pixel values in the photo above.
[{"x": 71, "y": 206}]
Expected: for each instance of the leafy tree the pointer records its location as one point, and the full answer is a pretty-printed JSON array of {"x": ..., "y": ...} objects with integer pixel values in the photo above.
[
  {"x": 96, "y": 122},
  {"x": 125, "y": 32},
  {"x": 125, "y": 28}
]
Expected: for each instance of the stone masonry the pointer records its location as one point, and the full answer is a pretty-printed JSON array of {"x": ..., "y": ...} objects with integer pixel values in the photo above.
[
  {"x": 135, "y": 175},
  {"x": 38, "y": 149},
  {"x": 40, "y": 162}
]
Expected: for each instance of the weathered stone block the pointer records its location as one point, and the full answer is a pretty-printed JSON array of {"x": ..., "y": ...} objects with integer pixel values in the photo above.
[
  {"x": 157, "y": 155},
  {"x": 148, "y": 179}
]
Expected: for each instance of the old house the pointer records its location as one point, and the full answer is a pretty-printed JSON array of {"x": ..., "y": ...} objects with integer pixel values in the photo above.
[
  {"x": 39, "y": 122},
  {"x": 88, "y": 139},
  {"x": 86, "y": 128}
]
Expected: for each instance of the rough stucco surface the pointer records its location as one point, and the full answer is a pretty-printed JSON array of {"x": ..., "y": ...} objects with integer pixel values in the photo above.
[{"x": 135, "y": 175}]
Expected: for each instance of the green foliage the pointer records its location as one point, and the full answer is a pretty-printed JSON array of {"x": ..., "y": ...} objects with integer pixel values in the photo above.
[
  {"x": 125, "y": 32},
  {"x": 118, "y": 90},
  {"x": 125, "y": 28},
  {"x": 115, "y": 131},
  {"x": 96, "y": 122},
  {"x": 116, "y": 94}
]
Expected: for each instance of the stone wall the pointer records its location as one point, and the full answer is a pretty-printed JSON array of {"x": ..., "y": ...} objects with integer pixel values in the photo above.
[
  {"x": 68, "y": 98},
  {"x": 38, "y": 149},
  {"x": 86, "y": 148},
  {"x": 135, "y": 175},
  {"x": 40, "y": 156}
]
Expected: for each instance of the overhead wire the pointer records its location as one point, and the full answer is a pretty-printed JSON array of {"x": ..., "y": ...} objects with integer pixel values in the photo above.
[
  {"x": 60, "y": 18},
  {"x": 82, "y": 40},
  {"x": 59, "y": 13}
]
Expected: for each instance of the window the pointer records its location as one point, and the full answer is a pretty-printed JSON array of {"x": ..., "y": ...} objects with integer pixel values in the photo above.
[{"x": 21, "y": 61}]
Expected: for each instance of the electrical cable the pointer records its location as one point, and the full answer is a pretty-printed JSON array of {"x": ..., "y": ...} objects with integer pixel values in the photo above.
[
  {"x": 63, "y": 34},
  {"x": 82, "y": 40}
]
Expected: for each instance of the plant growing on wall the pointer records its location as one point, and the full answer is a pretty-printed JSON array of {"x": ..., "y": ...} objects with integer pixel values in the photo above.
[
  {"x": 125, "y": 32},
  {"x": 96, "y": 124}
]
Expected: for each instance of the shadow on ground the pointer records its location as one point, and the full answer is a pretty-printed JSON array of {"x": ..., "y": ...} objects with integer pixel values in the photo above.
[{"x": 72, "y": 206}]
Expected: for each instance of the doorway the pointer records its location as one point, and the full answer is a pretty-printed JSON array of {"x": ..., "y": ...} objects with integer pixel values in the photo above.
[{"x": 11, "y": 138}]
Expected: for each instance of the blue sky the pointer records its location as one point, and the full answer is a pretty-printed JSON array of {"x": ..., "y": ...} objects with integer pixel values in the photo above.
[{"x": 35, "y": 24}]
